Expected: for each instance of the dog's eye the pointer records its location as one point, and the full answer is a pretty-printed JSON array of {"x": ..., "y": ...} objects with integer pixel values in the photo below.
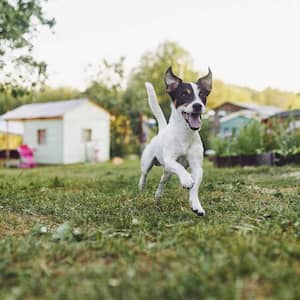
[{"x": 184, "y": 94}]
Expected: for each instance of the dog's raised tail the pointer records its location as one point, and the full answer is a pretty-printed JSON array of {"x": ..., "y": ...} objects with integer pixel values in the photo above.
[{"x": 153, "y": 103}]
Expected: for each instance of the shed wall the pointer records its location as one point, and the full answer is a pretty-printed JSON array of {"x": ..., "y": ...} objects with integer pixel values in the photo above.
[
  {"x": 52, "y": 151},
  {"x": 227, "y": 128},
  {"x": 86, "y": 116}
]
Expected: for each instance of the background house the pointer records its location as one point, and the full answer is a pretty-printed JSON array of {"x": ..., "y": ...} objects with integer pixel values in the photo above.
[
  {"x": 229, "y": 117},
  {"x": 231, "y": 123},
  {"x": 292, "y": 117},
  {"x": 261, "y": 110},
  {"x": 64, "y": 132}
]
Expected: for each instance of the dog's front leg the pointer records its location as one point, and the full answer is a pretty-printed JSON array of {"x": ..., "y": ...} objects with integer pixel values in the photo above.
[
  {"x": 172, "y": 166},
  {"x": 195, "y": 162},
  {"x": 164, "y": 178}
]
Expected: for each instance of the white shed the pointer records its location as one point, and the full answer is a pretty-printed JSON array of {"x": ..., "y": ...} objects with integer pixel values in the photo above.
[{"x": 64, "y": 132}]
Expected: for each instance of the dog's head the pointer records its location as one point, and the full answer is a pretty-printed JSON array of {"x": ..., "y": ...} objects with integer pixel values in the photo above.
[{"x": 189, "y": 99}]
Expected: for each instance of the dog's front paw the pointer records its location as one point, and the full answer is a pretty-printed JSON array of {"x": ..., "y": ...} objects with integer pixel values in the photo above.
[
  {"x": 197, "y": 208},
  {"x": 200, "y": 213},
  {"x": 187, "y": 181}
]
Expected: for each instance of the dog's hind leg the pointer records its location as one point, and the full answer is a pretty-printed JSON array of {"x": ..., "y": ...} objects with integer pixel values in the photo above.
[
  {"x": 147, "y": 162},
  {"x": 164, "y": 178},
  {"x": 142, "y": 181}
]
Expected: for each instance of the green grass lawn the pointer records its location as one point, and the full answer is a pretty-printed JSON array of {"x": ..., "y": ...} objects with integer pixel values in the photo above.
[{"x": 117, "y": 244}]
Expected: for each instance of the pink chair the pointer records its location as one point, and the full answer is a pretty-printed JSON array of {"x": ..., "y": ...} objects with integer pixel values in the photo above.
[{"x": 27, "y": 157}]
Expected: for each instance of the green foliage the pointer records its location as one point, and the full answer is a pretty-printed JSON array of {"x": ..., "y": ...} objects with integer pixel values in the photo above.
[
  {"x": 123, "y": 142},
  {"x": 281, "y": 139},
  {"x": 19, "y": 23},
  {"x": 279, "y": 98},
  {"x": 48, "y": 94},
  {"x": 8, "y": 101},
  {"x": 222, "y": 146},
  {"x": 256, "y": 138},
  {"x": 274, "y": 132},
  {"x": 248, "y": 140},
  {"x": 225, "y": 92},
  {"x": 96, "y": 237},
  {"x": 106, "y": 87},
  {"x": 205, "y": 132}
]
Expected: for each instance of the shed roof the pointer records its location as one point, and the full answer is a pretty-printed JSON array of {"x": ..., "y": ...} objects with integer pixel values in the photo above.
[
  {"x": 46, "y": 110},
  {"x": 287, "y": 114},
  {"x": 249, "y": 114},
  {"x": 262, "y": 110}
]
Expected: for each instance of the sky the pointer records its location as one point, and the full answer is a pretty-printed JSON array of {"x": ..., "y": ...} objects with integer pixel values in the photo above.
[{"x": 254, "y": 43}]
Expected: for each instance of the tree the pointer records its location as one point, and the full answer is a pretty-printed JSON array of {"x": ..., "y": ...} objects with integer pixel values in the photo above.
[
  {"x": 106, "y": 87},
  {"x": 152, "y": 67},
  {"x": 19, "y": 23},
  {"x": 46, "y": 94}
]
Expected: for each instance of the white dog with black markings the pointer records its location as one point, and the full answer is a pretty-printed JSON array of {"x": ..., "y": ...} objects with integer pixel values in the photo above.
[{"x": 178, "y": 145}]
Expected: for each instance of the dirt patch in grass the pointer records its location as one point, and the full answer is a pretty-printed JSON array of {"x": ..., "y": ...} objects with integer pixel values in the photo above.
[
  {"x": 17, "y": 224},
  {"x": 253, "y": 289}
]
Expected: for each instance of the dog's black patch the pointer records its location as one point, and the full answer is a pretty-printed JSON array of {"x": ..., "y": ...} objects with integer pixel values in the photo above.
[
  {"x": 156, "y": 162},
  {"x": 183, "y": 94},
  {"x": 203, "y": 93},
  {"x": 205, "y": 86},
  {"x": 183, "y": 161},
  {"x": 200, "y": 214}
]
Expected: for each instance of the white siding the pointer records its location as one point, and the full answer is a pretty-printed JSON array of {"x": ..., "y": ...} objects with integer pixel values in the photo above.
[
  {"x": 52, "y": 151},
  {"x": 86, "y": 116}
]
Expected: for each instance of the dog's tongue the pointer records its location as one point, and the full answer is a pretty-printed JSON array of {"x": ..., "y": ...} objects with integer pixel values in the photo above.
[{"x": 194, "y": 120}]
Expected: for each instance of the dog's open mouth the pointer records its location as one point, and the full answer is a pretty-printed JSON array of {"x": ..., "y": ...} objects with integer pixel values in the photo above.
[{"x": 193, "y": 119}]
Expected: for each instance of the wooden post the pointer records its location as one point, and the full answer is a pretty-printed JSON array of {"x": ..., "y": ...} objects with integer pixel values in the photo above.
[{"x": 7, "y": 144}]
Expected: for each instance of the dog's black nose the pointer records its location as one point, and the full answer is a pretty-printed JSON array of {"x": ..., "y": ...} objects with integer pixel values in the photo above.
[{"x": 197, "y": 107}]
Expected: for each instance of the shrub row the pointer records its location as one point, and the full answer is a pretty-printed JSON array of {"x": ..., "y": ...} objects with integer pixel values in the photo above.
[{"x": 257, "y": 138}]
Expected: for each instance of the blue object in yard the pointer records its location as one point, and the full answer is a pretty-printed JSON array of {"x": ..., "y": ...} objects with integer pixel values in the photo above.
[{"x": 232, "y": 123}]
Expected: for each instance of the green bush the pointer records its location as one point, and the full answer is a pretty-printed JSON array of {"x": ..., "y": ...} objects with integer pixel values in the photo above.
[
  {"x": 280, "y": 139},
  {"x": 248, "y": 140},
  {"x": 222, "y": 146},
  {"x": 255, "y": 138},
  {"x": 205, "y": 132}
]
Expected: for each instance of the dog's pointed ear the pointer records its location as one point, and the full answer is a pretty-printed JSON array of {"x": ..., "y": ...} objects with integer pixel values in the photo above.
[
  {"x": 206, "y": 81},
  {"x": 171, "y": 80}
]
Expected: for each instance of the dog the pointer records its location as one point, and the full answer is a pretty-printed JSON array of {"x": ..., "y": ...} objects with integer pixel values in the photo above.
[{"x": 178, "y": 146}]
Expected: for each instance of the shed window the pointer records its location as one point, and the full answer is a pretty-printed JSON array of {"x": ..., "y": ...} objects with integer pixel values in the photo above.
[
  {"x": 41, "y": 136},
  {"x": 86, "y": 135}
]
